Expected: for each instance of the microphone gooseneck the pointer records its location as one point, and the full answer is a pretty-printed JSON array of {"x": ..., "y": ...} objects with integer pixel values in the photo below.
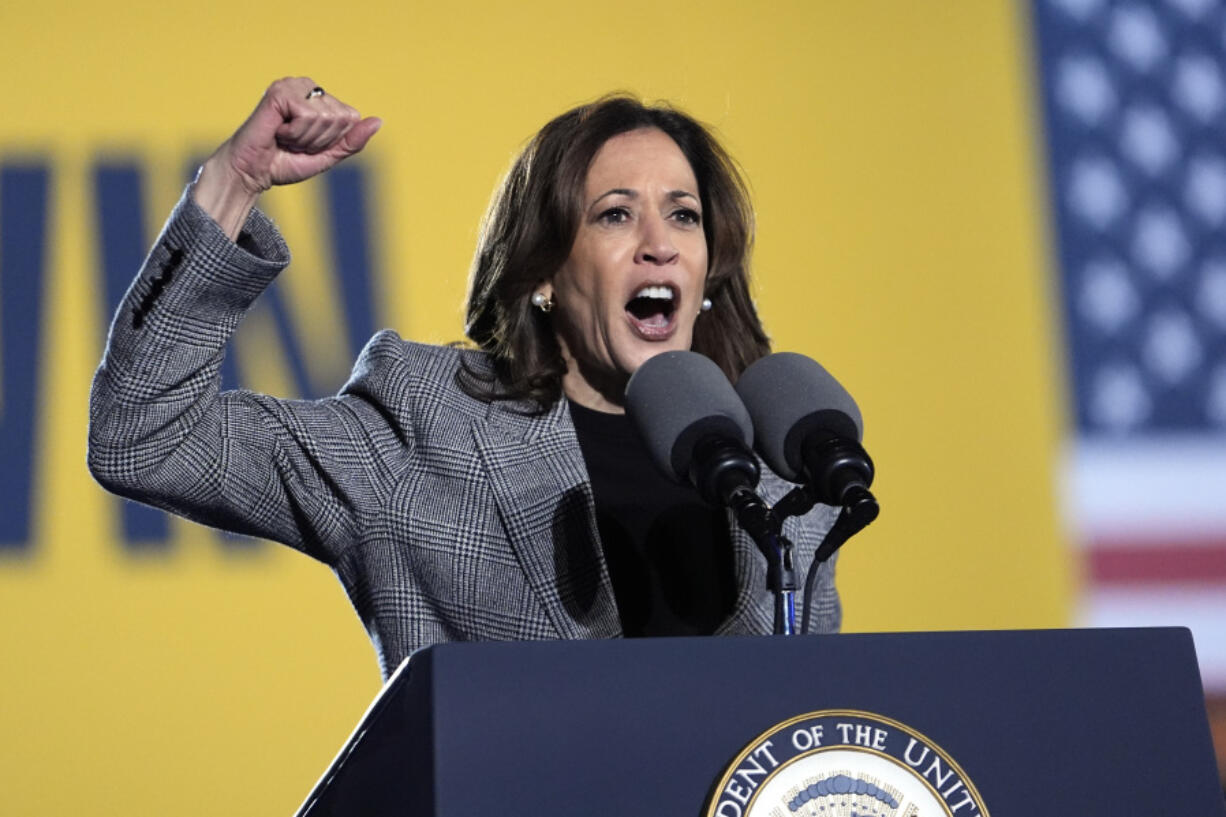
[{"x": 835, "y": 467}]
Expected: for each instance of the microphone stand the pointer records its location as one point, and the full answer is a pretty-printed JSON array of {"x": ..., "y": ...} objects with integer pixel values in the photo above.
[
  {"x": 765, "y": 527},
  {"x": 725, "y": 471}
]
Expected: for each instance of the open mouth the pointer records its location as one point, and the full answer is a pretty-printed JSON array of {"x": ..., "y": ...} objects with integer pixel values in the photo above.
[{"x": 651, "y": 311}]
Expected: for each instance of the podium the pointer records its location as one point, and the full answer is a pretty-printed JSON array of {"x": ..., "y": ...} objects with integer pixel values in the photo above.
[{"x": 1079, "y": 722}]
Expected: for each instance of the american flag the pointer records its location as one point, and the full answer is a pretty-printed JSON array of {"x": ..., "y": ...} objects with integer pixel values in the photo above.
[{"x": 1134, "y": 103}]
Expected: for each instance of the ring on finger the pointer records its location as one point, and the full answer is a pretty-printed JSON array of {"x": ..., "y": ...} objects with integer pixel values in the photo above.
[{"x": 315, "y": 92}]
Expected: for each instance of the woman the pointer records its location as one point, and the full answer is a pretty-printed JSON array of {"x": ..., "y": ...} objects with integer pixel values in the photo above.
[{"x": 489, "y": 493}]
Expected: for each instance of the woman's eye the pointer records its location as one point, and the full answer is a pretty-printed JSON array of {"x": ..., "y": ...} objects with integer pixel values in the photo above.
[
  {"x": 687, "y": 216},
  {"x": 615, "y": 215}
]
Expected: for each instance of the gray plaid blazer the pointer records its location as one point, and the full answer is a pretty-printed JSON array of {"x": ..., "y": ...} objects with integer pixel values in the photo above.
[{"x": 446, "y": 518}]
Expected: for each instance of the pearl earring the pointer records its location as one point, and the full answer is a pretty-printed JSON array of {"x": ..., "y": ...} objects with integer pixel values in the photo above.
[
  {"x": 706, "y": 305},
  {"x": 542, "y": 301}
]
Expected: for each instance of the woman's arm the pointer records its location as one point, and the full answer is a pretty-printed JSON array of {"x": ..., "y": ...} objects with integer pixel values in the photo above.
[{"x": 160, "y": 430}]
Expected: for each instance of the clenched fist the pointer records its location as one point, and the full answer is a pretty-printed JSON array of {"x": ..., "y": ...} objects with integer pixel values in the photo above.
[{"x": 293, "y": 134}]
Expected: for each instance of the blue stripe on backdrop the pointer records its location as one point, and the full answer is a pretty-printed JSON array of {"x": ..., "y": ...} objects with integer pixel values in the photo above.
[
  {"x": 272, "y": 301},
  {"x": 347, "y": 190},
  {"x": 23, "y": 266}
]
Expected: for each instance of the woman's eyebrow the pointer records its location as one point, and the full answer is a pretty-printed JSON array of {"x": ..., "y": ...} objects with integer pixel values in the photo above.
[
  {"x": 633, "y": 194},
  {"x": 616, "y": 191}
]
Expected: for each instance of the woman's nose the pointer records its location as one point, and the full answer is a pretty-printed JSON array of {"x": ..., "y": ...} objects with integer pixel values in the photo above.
[{"x": 655, "y": 243}]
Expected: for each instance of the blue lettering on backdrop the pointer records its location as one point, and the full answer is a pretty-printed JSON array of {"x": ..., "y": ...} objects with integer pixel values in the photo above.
[
  {"x": 23, "y": 259},
  {"x": 120, "y": 208},
  {"x": 351, "y": 241}
]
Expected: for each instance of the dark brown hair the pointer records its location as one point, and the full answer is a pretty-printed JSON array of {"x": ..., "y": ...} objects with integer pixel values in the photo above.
[{"x": 532, "y": 222}]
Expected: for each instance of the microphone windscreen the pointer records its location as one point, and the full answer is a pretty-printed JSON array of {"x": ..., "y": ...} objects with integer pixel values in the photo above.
[
  {"x": 789, "y": 396},
  {"x": 677, "y": 398}
]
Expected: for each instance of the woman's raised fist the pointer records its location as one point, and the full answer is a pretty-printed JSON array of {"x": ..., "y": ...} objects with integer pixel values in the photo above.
[{"x": 296, "y": 132}]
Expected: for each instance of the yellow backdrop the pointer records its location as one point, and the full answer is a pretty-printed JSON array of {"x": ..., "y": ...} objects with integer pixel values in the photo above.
[{"x": 897, "y": 183}]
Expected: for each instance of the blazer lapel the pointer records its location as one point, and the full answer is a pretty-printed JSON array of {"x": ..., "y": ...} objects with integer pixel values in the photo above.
[{"x": 541, "y": 487}]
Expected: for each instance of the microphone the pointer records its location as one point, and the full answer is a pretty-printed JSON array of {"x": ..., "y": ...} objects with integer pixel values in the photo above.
[
  {"x": 808, "y": 426},
  {"x": 696, "y": 428}
]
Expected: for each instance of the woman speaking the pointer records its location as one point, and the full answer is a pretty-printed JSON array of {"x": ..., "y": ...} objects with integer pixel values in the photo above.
[{"x": 490, "y": 492}]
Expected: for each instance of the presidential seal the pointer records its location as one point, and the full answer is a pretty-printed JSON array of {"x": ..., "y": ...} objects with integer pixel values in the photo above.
[{"x": 844, "y": 763}]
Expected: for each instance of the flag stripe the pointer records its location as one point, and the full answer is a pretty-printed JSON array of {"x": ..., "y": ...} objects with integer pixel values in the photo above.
[{"x": 1200, "y": 563}]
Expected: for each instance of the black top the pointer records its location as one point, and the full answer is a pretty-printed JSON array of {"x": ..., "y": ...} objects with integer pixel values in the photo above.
[{"x": 668, "y": 552}]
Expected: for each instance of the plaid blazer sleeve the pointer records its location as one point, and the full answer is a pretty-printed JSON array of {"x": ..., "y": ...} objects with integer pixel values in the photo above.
[{"x": 163, "y": 433}]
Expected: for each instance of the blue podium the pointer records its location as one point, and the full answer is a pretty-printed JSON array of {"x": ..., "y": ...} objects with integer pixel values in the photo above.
[{"x": 1057, "y": 722}]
